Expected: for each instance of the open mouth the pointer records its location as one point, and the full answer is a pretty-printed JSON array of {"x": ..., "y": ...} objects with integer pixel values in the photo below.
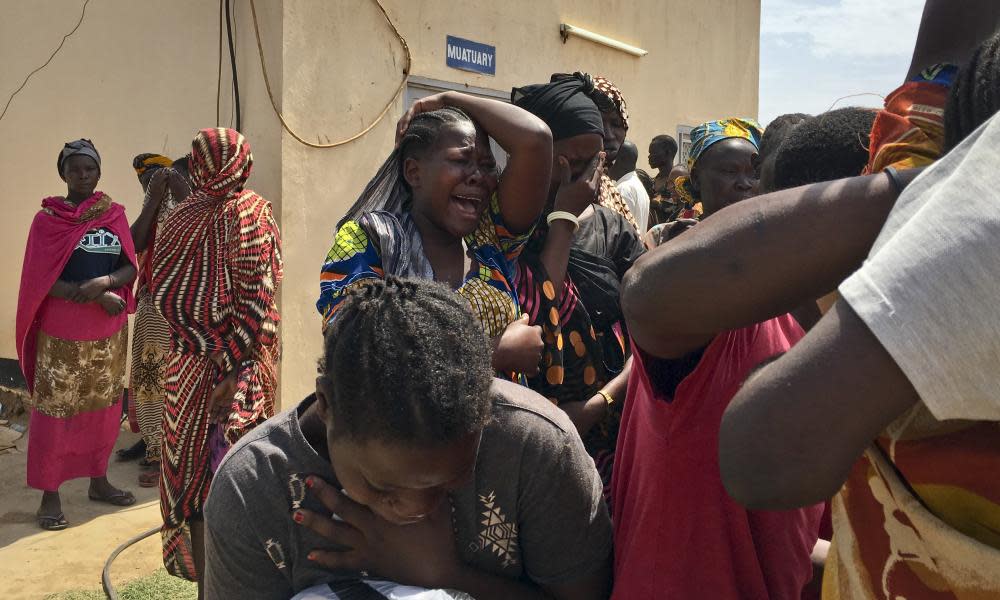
[{"x": 467, "y": 205}]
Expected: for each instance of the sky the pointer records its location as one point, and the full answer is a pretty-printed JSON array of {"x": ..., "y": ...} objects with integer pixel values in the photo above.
[{"x": 813, "y": 52}]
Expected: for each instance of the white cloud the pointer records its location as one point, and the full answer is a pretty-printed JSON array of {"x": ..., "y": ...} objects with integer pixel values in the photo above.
[{"x": 846, "y": 29}]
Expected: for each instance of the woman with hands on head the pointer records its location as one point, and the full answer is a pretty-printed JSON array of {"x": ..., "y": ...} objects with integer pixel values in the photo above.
[
  {"x": 72, "y": 332},
  {"x": 435, "y": 473},
  {"x": 439, "y": 209}
]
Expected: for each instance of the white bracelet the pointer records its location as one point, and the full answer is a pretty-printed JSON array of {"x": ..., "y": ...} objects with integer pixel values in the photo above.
[{"x": 562, "y": 215}]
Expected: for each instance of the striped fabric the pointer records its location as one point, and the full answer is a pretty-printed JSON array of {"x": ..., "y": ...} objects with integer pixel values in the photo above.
[
  {"x": 216, "y": 270},
  {"x": 150, "y": 344}
]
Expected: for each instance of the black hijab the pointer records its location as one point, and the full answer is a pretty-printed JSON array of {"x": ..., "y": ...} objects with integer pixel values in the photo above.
[{"x": 563, "y": 104}]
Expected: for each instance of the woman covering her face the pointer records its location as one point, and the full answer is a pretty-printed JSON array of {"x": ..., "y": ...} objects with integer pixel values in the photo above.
[{"x": 437, "y": 475}]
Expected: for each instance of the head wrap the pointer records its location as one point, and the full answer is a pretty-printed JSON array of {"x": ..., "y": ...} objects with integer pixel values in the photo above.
[
  {"x": 704, "y": 137},
  {"x": 81, "y": 146},
  {"x": 150, "y": 162},
  {"x": 564, "y": 105},
  {"x": 605, "y": 92},
  {"x": 220, "y": 162}
]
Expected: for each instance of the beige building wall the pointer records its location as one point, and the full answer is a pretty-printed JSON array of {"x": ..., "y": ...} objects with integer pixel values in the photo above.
[{"x": 140, "y": 76}]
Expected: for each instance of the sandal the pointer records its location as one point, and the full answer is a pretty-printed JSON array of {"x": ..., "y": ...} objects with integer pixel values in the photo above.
[
  {"x": 149, "y": 479},
  {"x": 133, "y": 452},
  {"x": 118, "y": 498},
  {"x": 149, "y": 464},
  {"x": 52, "y": 523}
]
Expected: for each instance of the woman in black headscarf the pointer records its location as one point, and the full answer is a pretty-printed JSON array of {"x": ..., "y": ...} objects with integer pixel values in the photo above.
[{"x": 568, "y": 276}]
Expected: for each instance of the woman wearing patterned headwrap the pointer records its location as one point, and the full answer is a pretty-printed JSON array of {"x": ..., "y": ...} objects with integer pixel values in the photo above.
[
  {"x": 568, "y": 276},
  {"x": 614, "y": 114},
  {"x": 72, "y": 333},
  {"x": 722, "y": 161},
  {"x": 215, "y": 275},
  {"x": 165, "y": 184}
]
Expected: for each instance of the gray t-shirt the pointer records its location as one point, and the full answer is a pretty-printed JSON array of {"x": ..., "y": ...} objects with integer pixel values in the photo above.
[
  {"x": 930, "y": 287},
  {"x": 533, "y": 511}
]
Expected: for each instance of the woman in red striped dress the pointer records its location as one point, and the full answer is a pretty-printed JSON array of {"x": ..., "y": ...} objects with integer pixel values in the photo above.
[{"x": 216, "y": 270}]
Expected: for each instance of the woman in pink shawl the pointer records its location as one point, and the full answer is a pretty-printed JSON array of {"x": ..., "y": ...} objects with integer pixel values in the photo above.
[{"x": 72, "y": 333}]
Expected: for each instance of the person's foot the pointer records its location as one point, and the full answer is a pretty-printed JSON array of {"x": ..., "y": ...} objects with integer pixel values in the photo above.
[
  {"x": 101, "y": 490},
  {"x": 149, "y": 479},
  {"x": 134, "y": 452},
  {"x": 50, "y": 515}
]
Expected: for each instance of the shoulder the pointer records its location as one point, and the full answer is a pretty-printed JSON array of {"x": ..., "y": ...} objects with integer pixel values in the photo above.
[
  {"x": 519, "y": 412},
  {"x": 254, "y": 464}
]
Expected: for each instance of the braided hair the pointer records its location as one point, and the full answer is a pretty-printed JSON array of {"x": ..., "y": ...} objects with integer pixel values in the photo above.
[
  {"x": 388, "y": 190},
  {"x": 408, "y": 363},
  {"x": 975, "y": 93}
]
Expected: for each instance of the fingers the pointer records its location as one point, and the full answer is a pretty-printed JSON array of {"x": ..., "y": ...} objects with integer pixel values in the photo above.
[
  {"x": 595, "y": 178},
  {"x": 566, "y": 174},
  {"x": 342, "y": 534},
  {"x": 338, "y": 503},
  {"x": 349, "y": 560}
]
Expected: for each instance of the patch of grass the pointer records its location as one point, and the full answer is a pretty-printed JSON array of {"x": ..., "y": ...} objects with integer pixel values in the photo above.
[{"x": 158, "y": 586}]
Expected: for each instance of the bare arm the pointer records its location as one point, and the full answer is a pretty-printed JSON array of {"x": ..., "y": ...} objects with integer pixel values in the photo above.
[
  {"x": 65, "y": 290},
  {"x": 525, "y": 137},
  {"x": 574, "y": 196},
  {"x": 938, "y": 40},
  {"x": 754, "y": 260},
  {"x": 791, "y": 435},
  {"x": 587, "y": 413},
  {"x": 155, "y": 193}
]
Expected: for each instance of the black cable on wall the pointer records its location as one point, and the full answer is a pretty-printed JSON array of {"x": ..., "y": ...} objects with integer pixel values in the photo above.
[{"x": 232, "y": 62}]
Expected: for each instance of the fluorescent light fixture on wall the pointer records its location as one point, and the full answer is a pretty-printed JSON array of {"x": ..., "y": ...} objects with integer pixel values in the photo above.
[{"x": 567, "y": 30}]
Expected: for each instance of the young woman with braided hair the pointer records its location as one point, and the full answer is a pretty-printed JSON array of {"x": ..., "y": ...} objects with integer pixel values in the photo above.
[
  {"x": 438, "y": 209},
  {"x": 440, "y": 476}
]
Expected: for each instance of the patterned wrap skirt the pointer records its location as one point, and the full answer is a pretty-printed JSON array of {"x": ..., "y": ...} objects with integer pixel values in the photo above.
[
  {"x": 150, "y": 352},
  {"x": 75, "y": 408}
]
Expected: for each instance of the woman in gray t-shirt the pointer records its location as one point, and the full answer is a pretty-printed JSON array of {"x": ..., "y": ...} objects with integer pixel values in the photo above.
[{"x": 439, "y": 475}]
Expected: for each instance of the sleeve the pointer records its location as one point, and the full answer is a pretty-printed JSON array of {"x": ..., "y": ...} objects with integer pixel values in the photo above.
[
  {"x": 928, "y": 290},
  {"x": 627, "y": 248},
  {"x": 255, "y": 269},
  {"x": 564, "y": 527},
  {"x": 237, "y": 564},
  {"x": 492, "y": 236},
  {"x": 352, "y": 259}
]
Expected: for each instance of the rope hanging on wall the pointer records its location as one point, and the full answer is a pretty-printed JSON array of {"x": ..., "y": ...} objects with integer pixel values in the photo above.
[{"x": 389, "y": 104}]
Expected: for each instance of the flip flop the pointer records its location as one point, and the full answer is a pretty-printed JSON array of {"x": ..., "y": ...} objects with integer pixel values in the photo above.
[
  {"x": 119, "y": 498},
  {"x": 149, "y": 479},
  {"x": 52, "y": 523}
]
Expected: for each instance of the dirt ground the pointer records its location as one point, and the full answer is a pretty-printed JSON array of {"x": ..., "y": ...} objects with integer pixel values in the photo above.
[{"x": 35, "y": 563}]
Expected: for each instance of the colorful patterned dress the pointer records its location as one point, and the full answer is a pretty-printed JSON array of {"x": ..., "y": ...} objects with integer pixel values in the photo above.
[
  {"x": 381, "y": 244},
  {"x": 216, "y": 272},
  {"x": 585, "y": 345}
]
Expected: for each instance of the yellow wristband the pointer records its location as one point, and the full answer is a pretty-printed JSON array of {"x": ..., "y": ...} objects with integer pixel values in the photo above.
[{"x": 608, "y": 398}]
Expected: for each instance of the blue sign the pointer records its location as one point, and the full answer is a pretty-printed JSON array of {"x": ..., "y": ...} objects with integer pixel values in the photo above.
[{"x": 471, "y": 56}]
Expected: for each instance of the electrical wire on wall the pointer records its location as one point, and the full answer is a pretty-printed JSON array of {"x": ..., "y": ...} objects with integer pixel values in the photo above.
[
  {"x": 232, "y": 63},
  {"x": 388, "y": 106},
  {"x": 79, "y": 22}
]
